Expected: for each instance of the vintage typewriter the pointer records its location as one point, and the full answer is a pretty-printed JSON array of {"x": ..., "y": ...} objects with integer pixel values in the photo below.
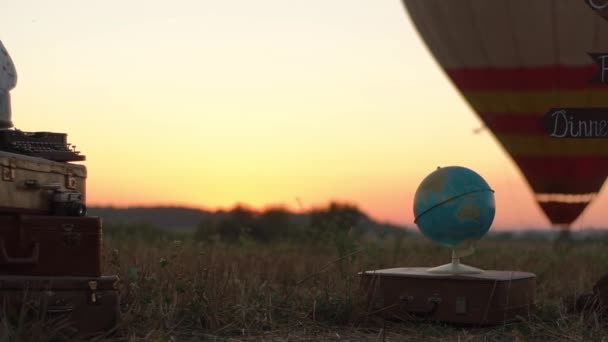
[{"x": 47, "y": 145}]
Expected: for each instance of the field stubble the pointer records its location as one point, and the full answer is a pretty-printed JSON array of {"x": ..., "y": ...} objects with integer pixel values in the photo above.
[{"x": 183, "y": 290}]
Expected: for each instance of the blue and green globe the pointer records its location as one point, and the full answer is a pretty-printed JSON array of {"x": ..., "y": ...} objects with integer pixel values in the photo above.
[{"x": 454, "y": 205}]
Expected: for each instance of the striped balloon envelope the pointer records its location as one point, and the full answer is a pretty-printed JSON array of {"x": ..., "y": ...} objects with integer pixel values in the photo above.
[{"x": 513, "y": 61}]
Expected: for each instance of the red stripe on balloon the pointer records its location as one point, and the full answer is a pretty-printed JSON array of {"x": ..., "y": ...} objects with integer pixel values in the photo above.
[
  {"x": 565, "y": 174},
  {"x": 537, "y": 78},
  {"x": 520, "y": 124}
]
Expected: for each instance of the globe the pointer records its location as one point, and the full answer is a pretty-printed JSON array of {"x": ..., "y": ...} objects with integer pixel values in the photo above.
[{"x": 453, "y": 205}]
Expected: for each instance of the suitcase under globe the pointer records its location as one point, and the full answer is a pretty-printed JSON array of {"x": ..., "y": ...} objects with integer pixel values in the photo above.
[
  {"x": 41, "y": 245},
  {"x": 85, "y": 304},
  {"x": 488, "y": 298},
  {"x": 28, "y": 184}
]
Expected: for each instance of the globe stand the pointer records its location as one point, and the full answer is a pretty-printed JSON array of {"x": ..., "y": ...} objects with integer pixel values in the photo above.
[
  {"x": 453, "y": 206},
  {"x": 455, "y": 267}
]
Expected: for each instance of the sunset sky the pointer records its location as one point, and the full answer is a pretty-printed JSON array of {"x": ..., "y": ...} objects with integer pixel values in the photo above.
[{"x": 212, "y": 103}]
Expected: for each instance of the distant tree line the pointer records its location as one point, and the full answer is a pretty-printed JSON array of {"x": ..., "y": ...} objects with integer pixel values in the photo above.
[{"x": 278, "y": 223}]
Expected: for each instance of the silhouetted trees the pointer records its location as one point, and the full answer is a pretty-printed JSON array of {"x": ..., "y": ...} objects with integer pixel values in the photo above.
[
  {"x": 274, "y": 224},
  {"x": 335, "y": 219},
  {"x": 237, "y": 223}
]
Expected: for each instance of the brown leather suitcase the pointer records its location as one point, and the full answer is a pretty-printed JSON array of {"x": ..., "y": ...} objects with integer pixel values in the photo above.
[
  {"x": 28, "y": 184},
  {"x": 40, "y": 245},
  {"x": 488, "y": 298},
  {"x": 87, "y": 304}
]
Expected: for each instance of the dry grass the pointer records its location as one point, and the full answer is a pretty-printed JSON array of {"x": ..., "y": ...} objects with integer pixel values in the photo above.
[{"x": 186, "y": 291}]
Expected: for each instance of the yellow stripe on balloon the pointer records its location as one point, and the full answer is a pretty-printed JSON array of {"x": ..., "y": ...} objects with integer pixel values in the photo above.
[
  {"x": 527, "y": 102},
  {"x": 566, "y": 198}
]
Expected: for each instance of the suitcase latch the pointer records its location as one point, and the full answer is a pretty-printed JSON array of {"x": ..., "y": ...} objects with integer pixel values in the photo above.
[
  {"x": 406, "y": 299},
  {"x": 8, "y": 172},
  {"x": 435, "y": 299},
  {"x": 70, "y": 238},
  {"x": 93, "y": 292},
  {"x": 461, "y": 305},
  {"x": 70, "y": 182}
]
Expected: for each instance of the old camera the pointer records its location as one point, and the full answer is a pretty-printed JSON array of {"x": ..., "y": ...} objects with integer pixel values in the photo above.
[{"x": 68, "y": 204}]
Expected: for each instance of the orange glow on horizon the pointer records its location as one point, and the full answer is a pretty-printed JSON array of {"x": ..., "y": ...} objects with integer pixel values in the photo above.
[{"x": 207, "y": 105}]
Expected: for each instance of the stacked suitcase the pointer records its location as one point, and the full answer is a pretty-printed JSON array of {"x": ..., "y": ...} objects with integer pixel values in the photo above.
[{"x": 50, "y": 252}]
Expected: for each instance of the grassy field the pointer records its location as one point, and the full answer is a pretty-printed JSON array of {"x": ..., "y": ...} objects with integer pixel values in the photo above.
[{"x": 177, "y": 289}]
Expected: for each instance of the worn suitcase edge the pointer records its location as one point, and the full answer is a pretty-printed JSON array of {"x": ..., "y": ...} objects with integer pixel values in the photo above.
[
  {"x": 90, "y": 306},
  {"x": 406, "y": 307}
]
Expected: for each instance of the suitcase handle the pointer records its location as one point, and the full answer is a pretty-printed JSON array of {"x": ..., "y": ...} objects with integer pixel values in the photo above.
[
  {"x": 60, "y": 309},
  {"x": 433, "y": 304},
  {"x": 31, "y": 260},
  {"x": 34, "y": 184}
]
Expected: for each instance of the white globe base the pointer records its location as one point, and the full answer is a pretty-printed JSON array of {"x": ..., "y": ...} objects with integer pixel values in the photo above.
[{"x": 455, "y": 267}]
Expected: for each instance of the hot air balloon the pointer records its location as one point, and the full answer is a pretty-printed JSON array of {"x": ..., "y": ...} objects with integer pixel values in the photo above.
[{"x": 513, "y": 61}]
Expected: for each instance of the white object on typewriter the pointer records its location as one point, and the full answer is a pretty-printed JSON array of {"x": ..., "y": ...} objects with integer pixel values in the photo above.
[{"x": 8, "y": 81}]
